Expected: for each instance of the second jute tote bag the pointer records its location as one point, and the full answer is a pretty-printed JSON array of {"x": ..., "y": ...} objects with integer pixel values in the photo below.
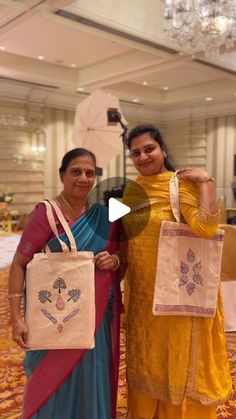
[
  {"x": 188, "y": 267},
  {"x": 60, "y": 294}
]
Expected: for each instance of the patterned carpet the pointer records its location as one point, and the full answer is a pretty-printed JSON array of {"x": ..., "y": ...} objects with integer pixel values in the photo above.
[{"x": 12, "y": 376}]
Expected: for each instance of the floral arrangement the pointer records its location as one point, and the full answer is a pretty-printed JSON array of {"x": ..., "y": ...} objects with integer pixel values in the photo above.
[{"x": 6, "y": 196}]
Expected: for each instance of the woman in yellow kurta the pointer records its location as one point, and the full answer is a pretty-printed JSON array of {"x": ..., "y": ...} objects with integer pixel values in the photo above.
[{"x": 177, "y": 366}]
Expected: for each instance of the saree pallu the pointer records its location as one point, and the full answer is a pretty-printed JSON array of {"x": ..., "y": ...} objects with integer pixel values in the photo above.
[{"x": 81, "y": 383}]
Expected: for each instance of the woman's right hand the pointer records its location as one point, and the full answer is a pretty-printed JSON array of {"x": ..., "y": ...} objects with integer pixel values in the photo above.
[
  {"x": 20, "y": 333},
  {"x": 195, "y": 174}
]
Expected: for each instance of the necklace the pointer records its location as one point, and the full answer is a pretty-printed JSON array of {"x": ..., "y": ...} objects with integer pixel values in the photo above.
[{"x": 71, "y": 212}]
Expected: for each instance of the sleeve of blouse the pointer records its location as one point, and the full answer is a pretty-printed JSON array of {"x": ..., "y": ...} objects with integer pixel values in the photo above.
[
  {"x": 199, "y": 220},
  {"x": 36, "y": 233}
]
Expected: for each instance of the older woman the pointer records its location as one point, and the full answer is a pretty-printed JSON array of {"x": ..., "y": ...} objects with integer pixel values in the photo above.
[
  {"x": 177, "y": 366},
  {"x": 85, "y": 382}
]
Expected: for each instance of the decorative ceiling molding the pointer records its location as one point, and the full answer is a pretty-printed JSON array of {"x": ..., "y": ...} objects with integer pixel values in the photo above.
[
  {"x": 215, "y": 66},
  {"x": 30, "y": 83},
  {"x": 29, "y": 93},
  {"x": 57, "y": 47},
  {"x": 22, "y": 13},
  {"x": 87, "y": 22}
]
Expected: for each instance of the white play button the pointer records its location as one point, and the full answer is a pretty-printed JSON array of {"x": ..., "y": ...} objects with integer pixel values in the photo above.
[{"x": 116, "y": 209}]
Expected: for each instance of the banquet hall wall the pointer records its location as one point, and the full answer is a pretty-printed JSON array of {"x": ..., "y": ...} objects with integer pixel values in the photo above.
[{"x": 203, "y": 141}]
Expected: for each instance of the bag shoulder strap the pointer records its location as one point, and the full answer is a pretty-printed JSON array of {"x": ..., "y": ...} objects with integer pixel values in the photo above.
[
  {"x": 53, "y": 226},
  {"x": 64, "y": 224},
  {"x": 52, "y": 223},
  {"x": 174, "y": 196}
]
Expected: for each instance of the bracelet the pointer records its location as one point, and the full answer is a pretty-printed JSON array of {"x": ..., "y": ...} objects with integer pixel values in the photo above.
[
  {"x": 17, "y": 324},
  {"x": 15, "y": 295},
  {"x": 118, "y": 262}
]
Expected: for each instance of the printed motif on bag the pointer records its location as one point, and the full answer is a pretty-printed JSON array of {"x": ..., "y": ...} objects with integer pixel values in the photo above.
[
  {"x": 185, "y": 270},
  {"x": 58, "y": 297}
]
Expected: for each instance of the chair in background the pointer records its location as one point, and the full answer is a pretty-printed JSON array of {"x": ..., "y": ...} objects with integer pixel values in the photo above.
[{"x": 228, "y": 276}]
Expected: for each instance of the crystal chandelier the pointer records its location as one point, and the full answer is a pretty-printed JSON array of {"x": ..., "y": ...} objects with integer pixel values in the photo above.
[{"x": 201, "y": 25}]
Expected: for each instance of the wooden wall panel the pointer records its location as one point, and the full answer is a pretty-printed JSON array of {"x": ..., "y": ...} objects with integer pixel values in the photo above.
[
  {"x": 186, "y": 142},
  {"x": 21, "y": 170},
  {"x": 199, "y": 142}
]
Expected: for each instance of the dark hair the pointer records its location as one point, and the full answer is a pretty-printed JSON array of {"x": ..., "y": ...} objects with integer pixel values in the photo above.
[
  {"x": 154, "y": 134},
  {"x": 73, "y": 154}
]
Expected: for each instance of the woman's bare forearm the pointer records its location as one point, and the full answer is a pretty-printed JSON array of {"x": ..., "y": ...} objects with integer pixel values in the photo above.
[{"x": 16, "y": 284}]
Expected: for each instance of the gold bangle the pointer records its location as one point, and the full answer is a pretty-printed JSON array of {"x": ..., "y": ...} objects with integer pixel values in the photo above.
[
  {"x": 118, "y": 262},
  {"x": 15, "y": 295}
]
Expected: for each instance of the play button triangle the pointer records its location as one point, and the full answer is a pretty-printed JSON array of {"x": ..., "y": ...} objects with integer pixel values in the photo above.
[{"x": 116, "y": 209}]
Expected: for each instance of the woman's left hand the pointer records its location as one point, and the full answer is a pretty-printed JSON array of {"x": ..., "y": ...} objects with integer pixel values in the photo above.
[
  {"x": 105, "y": 261},
  {"x": 195, "y": 174}
]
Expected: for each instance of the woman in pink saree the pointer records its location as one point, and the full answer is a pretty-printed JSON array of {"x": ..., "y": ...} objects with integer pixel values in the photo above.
[{"x": 73, "y": 383}]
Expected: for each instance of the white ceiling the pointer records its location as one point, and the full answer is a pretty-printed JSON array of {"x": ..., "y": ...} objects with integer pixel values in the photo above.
[{"x": 113, "y": 45}]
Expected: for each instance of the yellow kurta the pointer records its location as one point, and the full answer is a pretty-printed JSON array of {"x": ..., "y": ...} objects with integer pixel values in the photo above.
[{"x": 170, "y": 357}]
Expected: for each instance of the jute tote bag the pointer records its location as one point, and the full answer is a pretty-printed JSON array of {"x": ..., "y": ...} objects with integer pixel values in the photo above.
[
  {"x": 188, "y": 267},
  {"x": 60, "y": 294}
]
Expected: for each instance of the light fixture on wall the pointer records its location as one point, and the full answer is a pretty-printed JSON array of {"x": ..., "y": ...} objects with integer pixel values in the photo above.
[
  {"x": 38, "y": 138},
  {"x": 38, "y": 135},
  {"x": 201, "y": 25},
  {"x": 13, "y": 121}
]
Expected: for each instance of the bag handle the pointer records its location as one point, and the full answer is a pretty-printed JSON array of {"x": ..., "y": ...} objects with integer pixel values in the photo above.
[
  {"x": 64, "y": 224},
  {"x": 53, "y": 226},
  {"x": 174, "y": 196},
  {"x": 51, "y": 220}
]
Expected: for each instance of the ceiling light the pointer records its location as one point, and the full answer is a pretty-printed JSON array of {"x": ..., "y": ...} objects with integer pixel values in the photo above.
[
  {"x": 41, "y": 57},
  {"x": 135, "y": 100},
  {"x": 208, "y": 99},
  {"x": 2, "y": 48},
  {"x": 80, "y": 89},
  {"x": 201, "y": 25},
  {"x": 145, "y": 83},
  {"x": 73, "y": 65},
  {"x": 165, "y": 87}
]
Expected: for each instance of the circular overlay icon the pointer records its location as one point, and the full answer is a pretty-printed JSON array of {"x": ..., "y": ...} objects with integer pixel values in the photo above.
[{"x": 128, "y": 203}]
